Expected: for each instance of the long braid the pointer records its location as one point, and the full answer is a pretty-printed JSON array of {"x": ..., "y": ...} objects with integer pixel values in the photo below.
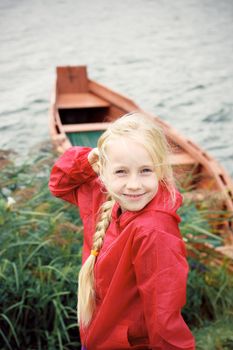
[{"x": 86, "y": 290}]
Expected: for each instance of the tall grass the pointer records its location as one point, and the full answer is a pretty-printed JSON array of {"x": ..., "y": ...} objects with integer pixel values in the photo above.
[
  {"x": 40, "y": 257},
  {"x": 40, "y": 240}
]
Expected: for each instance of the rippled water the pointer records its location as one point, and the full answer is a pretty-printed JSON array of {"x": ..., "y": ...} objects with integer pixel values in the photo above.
[{"x": 173, "y": 59}]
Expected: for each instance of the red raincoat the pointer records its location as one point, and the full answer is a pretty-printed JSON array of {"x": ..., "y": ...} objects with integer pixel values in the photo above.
[{"x": 141, "y": 270}]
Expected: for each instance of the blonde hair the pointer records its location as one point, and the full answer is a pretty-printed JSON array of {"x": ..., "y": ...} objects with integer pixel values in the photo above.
[{"x": 144, "y": 130}]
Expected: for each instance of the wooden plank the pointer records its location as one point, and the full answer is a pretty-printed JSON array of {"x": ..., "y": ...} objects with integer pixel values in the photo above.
[
  {"x": 82, "y": 100},
  {"x": 72, "y": 79},
  {"x": 125, "y": 104},
  {"x": 84, "y": 127}
]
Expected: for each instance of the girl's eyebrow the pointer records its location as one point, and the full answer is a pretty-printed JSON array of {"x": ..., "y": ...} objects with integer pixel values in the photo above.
[{"x": 119, "y": 166}]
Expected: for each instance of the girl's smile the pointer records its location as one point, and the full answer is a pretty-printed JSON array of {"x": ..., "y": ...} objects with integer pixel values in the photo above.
[
  {"x": 133, "y": 196},
  {"x": 129, "y": 174}
]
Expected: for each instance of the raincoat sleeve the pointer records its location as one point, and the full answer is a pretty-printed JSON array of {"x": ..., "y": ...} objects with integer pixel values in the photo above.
[
  {"x": 69, "y": 172},
  {"x": 161, "y": 269}
]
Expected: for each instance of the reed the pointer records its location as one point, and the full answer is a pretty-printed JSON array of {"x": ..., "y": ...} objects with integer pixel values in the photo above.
[{"x": 40, "y": 257}]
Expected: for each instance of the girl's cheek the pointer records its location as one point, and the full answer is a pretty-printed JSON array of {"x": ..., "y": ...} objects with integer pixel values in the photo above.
[{"x": 116, "y": 183}]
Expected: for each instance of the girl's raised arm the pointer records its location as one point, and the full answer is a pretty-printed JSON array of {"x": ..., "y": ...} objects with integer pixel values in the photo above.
[{"x": 72, "y": 170}]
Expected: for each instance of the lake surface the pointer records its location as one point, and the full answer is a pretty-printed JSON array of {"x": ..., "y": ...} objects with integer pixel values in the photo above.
[{"x": 174, "y": 59}]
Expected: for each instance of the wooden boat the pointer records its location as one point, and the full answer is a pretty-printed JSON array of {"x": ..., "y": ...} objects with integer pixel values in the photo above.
[{"x": 81, "y": 109}]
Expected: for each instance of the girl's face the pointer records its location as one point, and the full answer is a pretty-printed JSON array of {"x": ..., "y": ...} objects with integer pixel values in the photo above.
[{"x": 129, "y": 174}]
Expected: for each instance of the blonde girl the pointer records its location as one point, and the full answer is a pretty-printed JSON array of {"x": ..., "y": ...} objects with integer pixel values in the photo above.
[{"x": 132, "y": 284}]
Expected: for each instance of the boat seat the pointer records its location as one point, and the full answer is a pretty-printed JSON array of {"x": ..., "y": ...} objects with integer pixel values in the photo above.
[
  {"x": 68, "y": 128},
  {"x": 81, "y": 100}
]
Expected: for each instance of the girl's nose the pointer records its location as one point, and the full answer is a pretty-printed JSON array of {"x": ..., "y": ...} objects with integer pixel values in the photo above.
[{"x": 133, "y": 183}]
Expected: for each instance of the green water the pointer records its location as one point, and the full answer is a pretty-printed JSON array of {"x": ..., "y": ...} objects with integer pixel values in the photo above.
[{"x": 88, "y": 138}]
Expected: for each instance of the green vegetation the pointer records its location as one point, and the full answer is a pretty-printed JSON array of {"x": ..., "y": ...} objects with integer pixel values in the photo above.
[{"x": 40, "y": 257}]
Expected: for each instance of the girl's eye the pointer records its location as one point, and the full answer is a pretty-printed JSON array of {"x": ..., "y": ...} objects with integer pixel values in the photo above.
[
  {"x": 146, "y": 170},
  {"x": 120, "y": 172}
]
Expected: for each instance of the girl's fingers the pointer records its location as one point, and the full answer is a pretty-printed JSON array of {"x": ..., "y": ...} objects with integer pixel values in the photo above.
[{"x": 93, "y": 159}]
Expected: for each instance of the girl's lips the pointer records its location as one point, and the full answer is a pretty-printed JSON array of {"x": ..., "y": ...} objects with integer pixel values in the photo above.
[{"x": 133, "y": 196}]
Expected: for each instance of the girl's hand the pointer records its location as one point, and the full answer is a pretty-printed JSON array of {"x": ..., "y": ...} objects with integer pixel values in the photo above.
[{"x": 93, "y": 158}]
